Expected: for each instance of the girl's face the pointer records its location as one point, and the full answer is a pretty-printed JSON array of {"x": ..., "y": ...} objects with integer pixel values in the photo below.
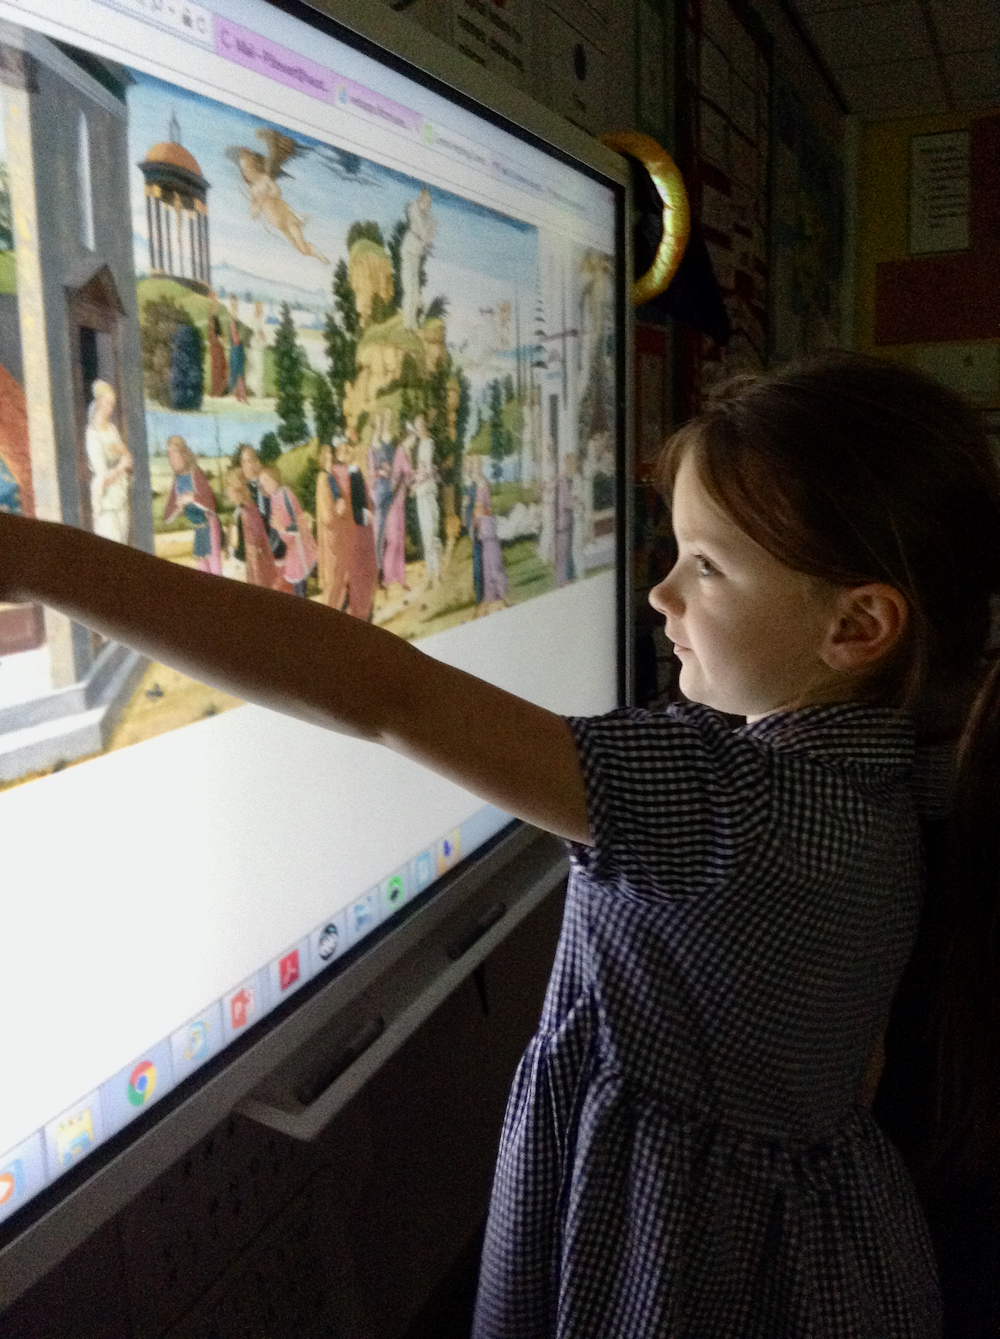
[{"x": 747, "y": 630}]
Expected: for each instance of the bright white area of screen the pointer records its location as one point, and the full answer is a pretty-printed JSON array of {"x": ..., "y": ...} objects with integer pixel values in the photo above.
[
  {"x": 144, "y": 884},
  {"x": 119, "y": 37}
]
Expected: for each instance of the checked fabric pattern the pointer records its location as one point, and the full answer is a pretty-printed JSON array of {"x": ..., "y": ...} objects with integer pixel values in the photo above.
[{"x": 681, "y": 1155}]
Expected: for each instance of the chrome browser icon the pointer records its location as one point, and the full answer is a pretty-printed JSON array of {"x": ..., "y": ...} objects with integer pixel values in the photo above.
[{"x": 141, "y": 1083}]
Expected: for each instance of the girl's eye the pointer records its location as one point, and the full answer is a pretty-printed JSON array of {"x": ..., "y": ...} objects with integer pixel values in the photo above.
[{"x": 704, "y": 567}]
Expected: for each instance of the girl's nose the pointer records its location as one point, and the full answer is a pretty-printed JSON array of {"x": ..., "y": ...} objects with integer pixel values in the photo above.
[{"x": 664, "y": 598}]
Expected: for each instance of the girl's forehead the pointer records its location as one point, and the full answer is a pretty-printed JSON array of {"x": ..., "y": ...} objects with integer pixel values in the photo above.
[
  {"x": 698, "y": 520},
  {"x": 695, "y": 513}
]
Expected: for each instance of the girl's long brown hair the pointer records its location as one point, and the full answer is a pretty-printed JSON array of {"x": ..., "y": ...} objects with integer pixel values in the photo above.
[{"x": 854, "y": 470}]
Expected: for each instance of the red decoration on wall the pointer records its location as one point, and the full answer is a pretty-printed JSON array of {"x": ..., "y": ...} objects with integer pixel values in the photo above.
[{"x": 930, "y": 299}]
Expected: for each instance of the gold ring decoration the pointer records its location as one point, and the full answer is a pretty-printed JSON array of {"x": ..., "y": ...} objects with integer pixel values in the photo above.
[{"x": 676, "y": 212}]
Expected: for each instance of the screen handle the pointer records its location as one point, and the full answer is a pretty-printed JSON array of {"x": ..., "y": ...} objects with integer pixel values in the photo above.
[{"x": 665, "y": 176}]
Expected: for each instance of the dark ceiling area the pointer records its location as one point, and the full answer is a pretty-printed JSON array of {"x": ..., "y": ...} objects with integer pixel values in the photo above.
[{"x": 907, "y": 57}]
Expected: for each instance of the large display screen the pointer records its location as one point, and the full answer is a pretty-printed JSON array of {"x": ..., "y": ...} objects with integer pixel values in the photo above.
[{"x": 272, "y": 308}]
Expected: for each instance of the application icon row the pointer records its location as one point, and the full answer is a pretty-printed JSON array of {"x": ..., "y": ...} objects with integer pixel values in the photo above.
[{"x": 63, "y": 1142}]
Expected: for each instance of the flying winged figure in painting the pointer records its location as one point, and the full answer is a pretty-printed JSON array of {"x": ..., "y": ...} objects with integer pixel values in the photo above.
[{"x": 261, "y": 172}]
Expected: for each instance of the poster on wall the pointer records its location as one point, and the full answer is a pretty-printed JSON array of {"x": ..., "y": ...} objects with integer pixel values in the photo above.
[{"x": 940, "y": 192}]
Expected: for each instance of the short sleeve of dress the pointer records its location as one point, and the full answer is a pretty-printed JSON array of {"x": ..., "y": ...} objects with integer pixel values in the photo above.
[{"x": 675, "y": 798}]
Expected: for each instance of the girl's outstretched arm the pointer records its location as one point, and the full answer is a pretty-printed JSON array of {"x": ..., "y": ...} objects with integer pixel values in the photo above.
[{"x": 308, "y": 661}]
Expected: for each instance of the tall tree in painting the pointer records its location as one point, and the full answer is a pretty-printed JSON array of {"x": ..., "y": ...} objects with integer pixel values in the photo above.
[
  {"x": 341, "y": 332},
  {"x": 289, "y": 374},
  {"x": 325, "y": 410}
]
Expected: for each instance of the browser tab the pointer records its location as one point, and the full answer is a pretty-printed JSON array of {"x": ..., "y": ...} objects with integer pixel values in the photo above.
[{"x": 253, "y": 52}]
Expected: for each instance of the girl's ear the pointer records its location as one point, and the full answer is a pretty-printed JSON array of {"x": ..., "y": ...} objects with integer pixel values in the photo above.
[{"x": 867, "y": 624}]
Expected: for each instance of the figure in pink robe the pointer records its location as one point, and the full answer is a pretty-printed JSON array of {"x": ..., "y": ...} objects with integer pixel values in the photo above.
[
  {"x": 191, "y": 493},
  {"x": 288, "y": 520},
  {"x": 394, "y": 557}
]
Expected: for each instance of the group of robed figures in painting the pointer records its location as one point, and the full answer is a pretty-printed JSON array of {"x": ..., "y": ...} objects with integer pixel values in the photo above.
[{"x": 360, "y": 524}]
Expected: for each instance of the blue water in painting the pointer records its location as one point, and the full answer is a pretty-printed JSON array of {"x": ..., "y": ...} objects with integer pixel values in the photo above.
[{"x": 206, "y": 434}]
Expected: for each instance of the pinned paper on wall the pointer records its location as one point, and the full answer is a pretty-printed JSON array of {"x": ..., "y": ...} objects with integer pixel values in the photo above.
[{"x": 940, "y": 192}]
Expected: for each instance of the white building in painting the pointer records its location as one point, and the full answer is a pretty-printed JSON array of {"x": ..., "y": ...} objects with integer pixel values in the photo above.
[{"x": 72, "y": 321}]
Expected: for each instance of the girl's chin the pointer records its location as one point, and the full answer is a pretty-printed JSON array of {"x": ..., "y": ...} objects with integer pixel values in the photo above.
[{"x": 697, "y": 691}]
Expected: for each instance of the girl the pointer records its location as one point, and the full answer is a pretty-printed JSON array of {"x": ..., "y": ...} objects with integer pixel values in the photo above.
[{"x": 683, "y": 1154}]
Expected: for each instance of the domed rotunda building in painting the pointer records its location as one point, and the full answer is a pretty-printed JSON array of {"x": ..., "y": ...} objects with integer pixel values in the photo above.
[{"x": 177, "y": 213}]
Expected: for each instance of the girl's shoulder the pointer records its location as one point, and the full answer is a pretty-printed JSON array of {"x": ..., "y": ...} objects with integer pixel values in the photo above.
[
  {"x": 686, "y": 735},
  {"x": 685, "y": 790}
]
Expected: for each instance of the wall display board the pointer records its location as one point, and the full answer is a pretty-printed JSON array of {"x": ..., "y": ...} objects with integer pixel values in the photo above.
[
  {"x": 725, "y": 138},
  {"x": 274, "y": 306}
]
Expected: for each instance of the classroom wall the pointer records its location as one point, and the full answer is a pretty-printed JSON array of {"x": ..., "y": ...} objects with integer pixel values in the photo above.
[{"x": 937, "y": 311}]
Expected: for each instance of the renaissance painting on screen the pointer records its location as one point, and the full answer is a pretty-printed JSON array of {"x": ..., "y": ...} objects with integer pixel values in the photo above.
[{"x": 261, "y": 355}]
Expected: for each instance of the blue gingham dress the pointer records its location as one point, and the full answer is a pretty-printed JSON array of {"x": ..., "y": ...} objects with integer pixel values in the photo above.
[{"x": 682, "y": 1157}]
